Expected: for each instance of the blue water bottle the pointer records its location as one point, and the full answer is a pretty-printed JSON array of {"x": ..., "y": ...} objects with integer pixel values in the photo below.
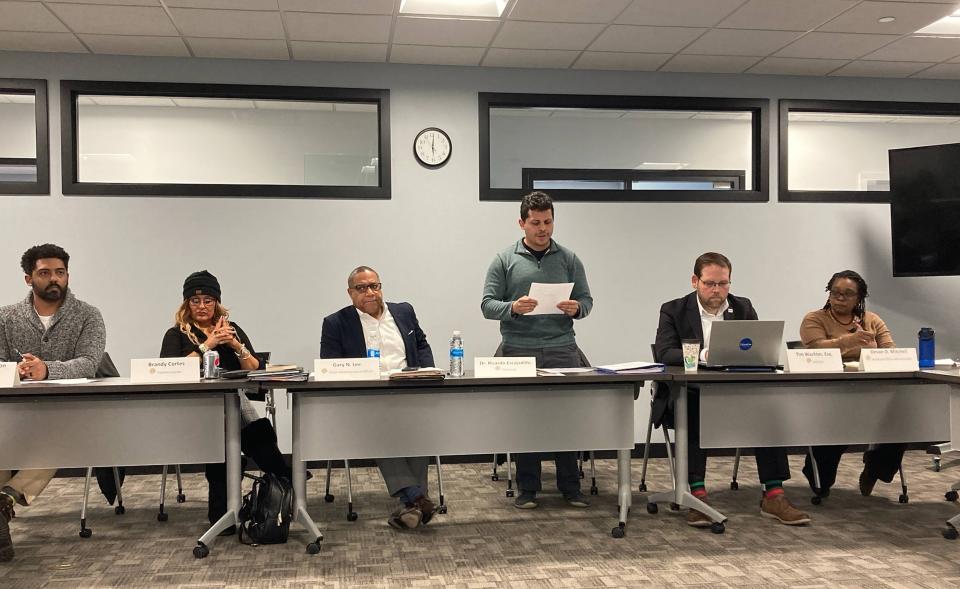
[{"x": 925, "y": 347}]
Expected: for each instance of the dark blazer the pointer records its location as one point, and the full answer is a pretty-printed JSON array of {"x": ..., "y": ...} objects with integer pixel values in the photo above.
[
  {"x": 342, "y": 335},
  {"x": 680, "y": 320}
]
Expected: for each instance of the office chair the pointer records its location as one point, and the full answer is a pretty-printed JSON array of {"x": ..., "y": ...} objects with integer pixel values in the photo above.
[{"x": 106, "y": 369}]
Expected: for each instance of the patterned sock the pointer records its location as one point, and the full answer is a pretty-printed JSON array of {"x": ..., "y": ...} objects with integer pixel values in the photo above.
[
  {"x": 774, "y": 488},
  {"x": 698, "y": 489}
]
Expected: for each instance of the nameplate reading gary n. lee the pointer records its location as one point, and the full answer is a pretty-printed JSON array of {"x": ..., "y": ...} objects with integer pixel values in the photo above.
[
  {"x": 505, "y": 367},
  {"x": 820, "y": 360},
  {"x": 889, "y": 360},
  {"x": 9, "y": 375},
  {"x": 346, "y": 369},
  {"x": 156, "y": 370}
]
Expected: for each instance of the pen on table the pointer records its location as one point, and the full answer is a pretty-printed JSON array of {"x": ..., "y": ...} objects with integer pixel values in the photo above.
[{"x": 18, "y": 355}]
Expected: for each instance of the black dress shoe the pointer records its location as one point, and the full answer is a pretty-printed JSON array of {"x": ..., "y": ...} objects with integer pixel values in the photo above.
[
  {"x": 231, "y": 531},
  {"x": 867, "y": 483}
]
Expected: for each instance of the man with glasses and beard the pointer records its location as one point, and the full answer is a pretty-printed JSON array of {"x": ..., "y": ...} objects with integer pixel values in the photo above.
[
  {"x": 348, "y": 333},
  {"x": 51, "y": 335},
  {"x": 691, "y": 317}
]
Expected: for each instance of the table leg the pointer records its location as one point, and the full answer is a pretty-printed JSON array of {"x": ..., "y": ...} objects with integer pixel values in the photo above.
[
  {"x": 680, "y": 494},
  {"x": 624, "y": 492},
  {"x": 300, "y": 484},
  {"x": 231, "y": 407}
]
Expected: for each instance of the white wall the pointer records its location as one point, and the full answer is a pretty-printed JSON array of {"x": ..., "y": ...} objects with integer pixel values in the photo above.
[{"x": 283, "y": 263}]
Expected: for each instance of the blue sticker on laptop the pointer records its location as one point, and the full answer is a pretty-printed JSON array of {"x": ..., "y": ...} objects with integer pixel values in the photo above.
[{"x": 746, "y": 343}]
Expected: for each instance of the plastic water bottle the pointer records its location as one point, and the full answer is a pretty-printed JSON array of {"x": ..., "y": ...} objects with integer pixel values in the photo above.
[
  {"x": 373, "y": 345},
  {"x": 925, "y": 347},
  {"x": 456, "y": 354}
]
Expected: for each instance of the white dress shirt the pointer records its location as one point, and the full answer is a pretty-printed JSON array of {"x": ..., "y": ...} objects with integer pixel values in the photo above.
[
  {"x": 706, "y": 322},
  {"x": 393, "y": 354}
]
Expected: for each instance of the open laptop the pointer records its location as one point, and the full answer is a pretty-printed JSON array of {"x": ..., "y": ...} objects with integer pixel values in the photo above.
[{"x": 744, "y": 345}]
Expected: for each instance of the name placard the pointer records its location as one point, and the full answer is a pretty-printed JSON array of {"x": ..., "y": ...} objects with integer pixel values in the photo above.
[
  {"x": 889, "y": 360},
  {"x": 9, "y": 375},
  {"x": 346, "y": 369},
  {"x": 149, "y": 370},
  {"x": 505, "y": 367},
  {"x": 824, "y": 360}
]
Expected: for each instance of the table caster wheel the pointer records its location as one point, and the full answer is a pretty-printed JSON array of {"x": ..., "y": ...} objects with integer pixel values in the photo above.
[
  {"x": 903, "y": 499},
  {"x": 950, "y": 533},
  {"x": 936, "y": 465},
  {"x": 313, "y": 547},
  {"x": 181, "y": 498},
  {"x": 86, "y": 533},
  {"x": 494, "y": 477},
  {"x": 200, "y": 550},
  {"x": 442, "y": 509},
  {"x": 674, "y": 507},
  {"x": 352, "y": 516},
  {"x": 509, "y": 492},
  {"x": 119, "y": 510},
  {"x": 162, "y": 517},
  {"x": 328, "y": 498},
  {"x": 816, "y": 500},
  {"x": 642, "y": 488},
  {"x": 594, "y": 491},
  {"x": 717, "y": 527},
  {"x": 950, "y": 495},
  {"x": 652, "y": 508},
  {"x": 734, "y": 485},
  {"x": 618, "y": 532}
]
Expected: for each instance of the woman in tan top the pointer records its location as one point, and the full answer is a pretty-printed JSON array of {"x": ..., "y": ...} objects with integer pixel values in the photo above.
[{"x": 845, "y": 323}]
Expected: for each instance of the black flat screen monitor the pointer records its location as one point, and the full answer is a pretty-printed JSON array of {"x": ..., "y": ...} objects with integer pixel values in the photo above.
[{"x": 925, "y": 210}]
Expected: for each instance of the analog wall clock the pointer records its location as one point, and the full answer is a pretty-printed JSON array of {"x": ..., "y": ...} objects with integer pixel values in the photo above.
[{"x": 432, "y": 147}]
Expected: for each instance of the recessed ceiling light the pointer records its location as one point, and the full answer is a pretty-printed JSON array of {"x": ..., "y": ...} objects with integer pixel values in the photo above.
[
  {"x": 488, "y": 8},
  {"x": 886, "y": 19}
]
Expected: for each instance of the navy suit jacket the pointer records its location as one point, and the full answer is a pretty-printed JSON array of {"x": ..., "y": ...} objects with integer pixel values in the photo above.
[
  {"x": 342, "y": 335},
  {"x": 680, "y": 320}
]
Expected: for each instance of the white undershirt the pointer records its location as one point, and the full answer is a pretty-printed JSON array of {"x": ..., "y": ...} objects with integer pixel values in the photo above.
[
  {"x": 393, "y": 354},
  {"x": 706, "y": 322},
  {"x": 46, "y": 320}
]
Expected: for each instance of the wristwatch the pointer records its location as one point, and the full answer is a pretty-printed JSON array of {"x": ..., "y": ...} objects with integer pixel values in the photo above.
[{"x": 203, "y": 348}]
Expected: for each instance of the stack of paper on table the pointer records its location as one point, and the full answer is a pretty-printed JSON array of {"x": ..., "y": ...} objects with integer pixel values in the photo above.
[
  {"x": 288, "y": 373},
  {"x": 428, "y": 373},
  {"x": 631, "y": 368}
]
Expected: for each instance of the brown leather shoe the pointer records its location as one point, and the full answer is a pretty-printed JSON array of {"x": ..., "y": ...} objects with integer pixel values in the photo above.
[
  {"x": 698, "y": 519},
  {"x": 6, "y": 514},
  {"x": 867, "y": 483},
  {"x": 405, "y": 518},
  {"x": 780, "y": 509},
  {"x": 426, "y": 507}
]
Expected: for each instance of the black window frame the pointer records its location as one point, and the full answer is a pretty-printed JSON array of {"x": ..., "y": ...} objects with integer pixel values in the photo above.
[
  {"x": 38, "y": 88},
  {"x": 877, "y": 107},
  {"x": 531, "y": 175},
  {"x": 71, "y": 89},
  {"x": 758, "y": 107}
]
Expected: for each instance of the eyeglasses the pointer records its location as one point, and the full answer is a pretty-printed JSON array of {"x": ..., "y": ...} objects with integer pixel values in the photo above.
[
  {"x": 843, "y": 294},
  {"x": 362, "y": 288},
  {"x": 710, "y": 284},
  {"x": 202, "y": 302}
]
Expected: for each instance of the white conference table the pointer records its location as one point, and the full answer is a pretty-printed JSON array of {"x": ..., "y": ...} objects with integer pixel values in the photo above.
[
  {"x": 771, "y": 409},
  {"x": 111, "y": 422},
  {"x": 383, "y": 419}
]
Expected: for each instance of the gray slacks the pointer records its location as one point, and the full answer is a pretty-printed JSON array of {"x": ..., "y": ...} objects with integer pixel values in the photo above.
[{"x": 400, "y": 473}]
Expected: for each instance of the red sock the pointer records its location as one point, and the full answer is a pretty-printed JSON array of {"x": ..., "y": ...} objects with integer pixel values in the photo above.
[
  {"x": 770, "y": 494},
  {"x": 699, "y": 492}
]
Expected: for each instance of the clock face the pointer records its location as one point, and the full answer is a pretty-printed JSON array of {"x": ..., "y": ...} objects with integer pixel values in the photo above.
[{"x": 432, "y": 147}]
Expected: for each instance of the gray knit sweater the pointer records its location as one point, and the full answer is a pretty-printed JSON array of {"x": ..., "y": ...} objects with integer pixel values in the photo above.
[{"x": 71, "y": 348}]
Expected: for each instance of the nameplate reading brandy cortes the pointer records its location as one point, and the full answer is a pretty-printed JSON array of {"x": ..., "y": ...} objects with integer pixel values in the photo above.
[
  {"x": 889, "y": 360},
  {"x": 823, "y": 360},
  {"x": 504, "y": 367},
  {"x": 346, "y": 369},
  {"x": 151, "y": 370},
  {"x": 9, "y": 374}
]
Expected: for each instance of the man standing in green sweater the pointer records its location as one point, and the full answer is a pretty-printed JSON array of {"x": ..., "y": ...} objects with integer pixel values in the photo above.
[{"x": 547, "y": 337}]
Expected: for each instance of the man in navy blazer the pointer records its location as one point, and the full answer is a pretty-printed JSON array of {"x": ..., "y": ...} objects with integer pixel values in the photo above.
[
  {"x": 393, "y": 329},
  {"x": 691, "y": 318}
]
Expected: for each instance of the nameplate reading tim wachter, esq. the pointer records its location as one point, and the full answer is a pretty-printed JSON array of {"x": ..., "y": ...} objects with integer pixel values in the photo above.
[
  {"x": 148, "y": 370},
  {"x": 346, "y": 369},
  {"x": 822, "y": 360},
  {"x": 889, "y": 360},
  {"x": 9, "y": 375},
  {"x": 504, "y": 367}
]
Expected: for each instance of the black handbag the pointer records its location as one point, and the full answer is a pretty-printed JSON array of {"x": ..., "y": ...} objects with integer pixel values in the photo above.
[{"x": 267, "y": 510}]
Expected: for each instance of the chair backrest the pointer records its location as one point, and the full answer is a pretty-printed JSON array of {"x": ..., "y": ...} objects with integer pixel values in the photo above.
[
  {"x": 106, "y": 369},
  {"x": 584, "y": 362},
  {"x": 795, "y": 345},
  {"x": 263, "y": 357}
]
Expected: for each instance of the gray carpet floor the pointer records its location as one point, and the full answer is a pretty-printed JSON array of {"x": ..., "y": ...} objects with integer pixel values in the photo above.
[{"x": 853, "y": 542}]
